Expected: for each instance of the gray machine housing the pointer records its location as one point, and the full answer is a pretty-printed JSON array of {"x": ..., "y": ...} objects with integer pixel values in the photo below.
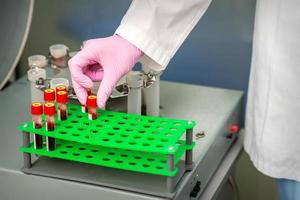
[{"x": 214, "y": 110}]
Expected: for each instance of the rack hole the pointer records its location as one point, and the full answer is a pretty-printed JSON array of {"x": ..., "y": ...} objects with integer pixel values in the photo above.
[
  {"x": 69, "y": 146},
  {"x": 63, "y": 152},
  {"x": 89, "y": 156},
  {"x": 159, "y": 146},
  {"x": 146, "y": 126},
  {"x": 125, "y": 117},
  {"x": 81, "y": 129},
  {"x": 121, "y": 123},
  {"x": 151, "y": 121},
  {"x": 75, "y": 134},
  {"x": 105, "y": 159},
  {"x": 137, "y": 157},
  {"x": 119, "y": 141},
  {"x": 124, "y": 155},
  {"x": 133, "y": 124},
  {"x": 74, "y": 121},
  {"x": 94, "y": 131},
  {"x": 116, "y": 128},
  {"x": 87, "y": 123},
  {"x": 95, "y": 150},
  {"x": 82, "y": 148},
  {"x": 150, "y": 138},
  {"x": 124, "y": 135},
  {"x": 164, "y": 140},
  {"x": 63, "y": 132},
  {"x": 99, "y": 125},
  {"x": 150, "y": 159},
  {"x": 146, "y": 144},
  {"x": 159, "y": 167},
  {"x": 111, "y": 153},
  {"x": 105, "y": 140},
  {"x": 137, "y": 137},
  {"x": 75, "y": 154},
  {"x": 132, "y": 163},
  {"x": 68, "y": 127},
  {"x": 145, "y": 165},
  {"x": 132, "y": 143},
  {"x": 119, "y": 161},
  {"x": 79, "y": 116},
  {"x": 141, "y": 131},
  {"x": 111, "y": 134},
  {"x": 128, "y": 130}
]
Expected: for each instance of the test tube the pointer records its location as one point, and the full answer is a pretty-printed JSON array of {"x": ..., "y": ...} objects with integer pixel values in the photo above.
[
  {"x": 49, "y": 95},
  {"x": 62, "y": 99},
  {"x": 91, "y": 104},
  {"x": 36, "y": 113},
  {"x": 84, "y": 109},
  {"x": 49, "y": 111}
]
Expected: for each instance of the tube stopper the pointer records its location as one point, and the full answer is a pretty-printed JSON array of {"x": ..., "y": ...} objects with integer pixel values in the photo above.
[
  {"x": 91, "y": 101},
  {"x": 49, "y": 108},
  {"x": 61, "y": 97},
  {"x": 49, "y": 95},
  {"x": 36, "y": 108}
]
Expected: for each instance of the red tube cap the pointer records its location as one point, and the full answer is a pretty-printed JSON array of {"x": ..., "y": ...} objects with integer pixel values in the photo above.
[
  {"x": 49, "y": 95},
  {"x": 36, "y": 108},
  {"x": 61, "y": 97},
  {"x": 49, "y": 108},
  {"x": 61, "y": 88},
  {"x": 91, "y": 101}
]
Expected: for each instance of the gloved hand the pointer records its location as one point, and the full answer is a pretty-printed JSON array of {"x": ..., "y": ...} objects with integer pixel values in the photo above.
[{"x": 105, "y": 60}]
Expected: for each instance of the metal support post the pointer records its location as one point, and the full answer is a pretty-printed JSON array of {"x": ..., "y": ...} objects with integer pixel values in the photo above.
[{"x": 26, "y": 156}]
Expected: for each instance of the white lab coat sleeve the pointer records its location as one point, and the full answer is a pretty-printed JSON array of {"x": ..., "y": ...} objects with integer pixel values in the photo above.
[{"x": 159, "y": 27}]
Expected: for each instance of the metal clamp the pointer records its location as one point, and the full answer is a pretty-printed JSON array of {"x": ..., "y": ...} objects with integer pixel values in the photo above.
[{"x": 150, "y": 78}]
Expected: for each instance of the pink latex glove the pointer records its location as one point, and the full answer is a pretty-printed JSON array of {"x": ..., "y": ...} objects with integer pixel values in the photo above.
[{"x": 103, "y": 59}]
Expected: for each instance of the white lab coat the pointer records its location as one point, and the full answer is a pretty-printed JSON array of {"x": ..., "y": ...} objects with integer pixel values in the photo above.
[{"x": 158, "y": 28}]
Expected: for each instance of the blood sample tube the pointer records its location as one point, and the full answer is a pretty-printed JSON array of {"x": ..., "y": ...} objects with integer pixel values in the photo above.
[
  {"x": 49, "y": 111},
  {"x": 84, "y": 109},
  {"x": 62, "y": 99},
  {"x": 49, "y": 95},
  {"x": 91, "y": 104},
  {"x": 36, "y": 113}
]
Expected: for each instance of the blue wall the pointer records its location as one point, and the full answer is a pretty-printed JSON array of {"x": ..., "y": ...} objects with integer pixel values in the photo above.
[{"x": 217, "y": 52}]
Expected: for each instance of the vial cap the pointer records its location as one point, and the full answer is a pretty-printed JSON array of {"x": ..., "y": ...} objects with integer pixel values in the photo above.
[
  {"x": 49, "y": 95},
  {"x": 91, "y": 101},
  {"x": 36, "y": 108},
  {"x": 61, "y": 88},
  {"x": 61, "y": 97},
  {"x": 49, "y": 108}
]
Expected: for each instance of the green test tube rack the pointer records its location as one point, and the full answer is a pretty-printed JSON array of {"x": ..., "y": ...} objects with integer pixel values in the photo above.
[{"x": 145, "y": 144}]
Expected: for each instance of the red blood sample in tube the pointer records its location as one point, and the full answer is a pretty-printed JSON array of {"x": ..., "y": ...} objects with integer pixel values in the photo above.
[
  {"x": 36, "y": 112},
  {"x": 49, "y": 111},
  {"x": 49, "y": 95},
  {"x": 62, "y": 99},
  {"x": 91, "y": 104}
]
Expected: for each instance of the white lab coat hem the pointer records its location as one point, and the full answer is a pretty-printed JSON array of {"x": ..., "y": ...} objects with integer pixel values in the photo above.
[
  {"x": 145, "y": 43},
  {"x": 269, "y": 169}
]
